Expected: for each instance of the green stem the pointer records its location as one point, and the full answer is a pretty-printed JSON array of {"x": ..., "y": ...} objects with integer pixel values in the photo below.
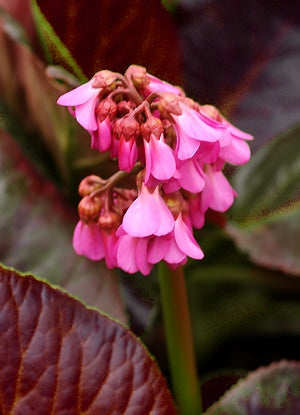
[{"x": 179, "y": 340}]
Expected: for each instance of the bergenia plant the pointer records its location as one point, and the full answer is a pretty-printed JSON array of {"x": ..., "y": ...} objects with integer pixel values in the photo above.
[
  {"x": 145, "y": 208},
  {"x": 172, "y": 150}
]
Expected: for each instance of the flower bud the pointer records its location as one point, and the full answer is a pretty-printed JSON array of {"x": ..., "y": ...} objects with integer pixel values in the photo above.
[
  {"x": 152, "y": 125},
  {"x": 169, "y": 103},
  {"x": 124, "y": 107},
  {"x": 89, "y": 208},
  {"x": 191, "y": 104},
  {"x": 128, "y": 127},
  {"x": 106, "y": 107},
  {"x": 104, "y": 78},
  {"x": 138, "y": 75},
  {"x": 211, "y": 111},
  {"x": 89, "y": 185},
  {"x": 109, "y": 220}
]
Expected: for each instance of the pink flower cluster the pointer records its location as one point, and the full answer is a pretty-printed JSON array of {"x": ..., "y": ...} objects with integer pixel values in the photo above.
[{"x": 177, "y": 149}]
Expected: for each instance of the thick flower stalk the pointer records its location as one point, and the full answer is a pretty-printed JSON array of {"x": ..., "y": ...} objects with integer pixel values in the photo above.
[{"x": 176, "y": 150}]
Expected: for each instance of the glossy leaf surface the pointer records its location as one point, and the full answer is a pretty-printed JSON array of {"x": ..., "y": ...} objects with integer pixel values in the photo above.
[
  {"x": 267, "y": 391},
  {"x": 36, "y": 227},
  {"x": 266, "y": 215},
  {"x": 57, "y": 356}
]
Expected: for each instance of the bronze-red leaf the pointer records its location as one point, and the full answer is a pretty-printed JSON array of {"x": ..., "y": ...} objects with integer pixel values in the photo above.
[{"x": 59, "y": 357}]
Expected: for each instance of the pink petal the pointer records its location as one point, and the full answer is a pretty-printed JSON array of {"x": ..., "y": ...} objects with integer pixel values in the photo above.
[
  {"x": 236, "y": 153},
  {"x": 220, "y": 191},
  {"x": 157, "y": 85},
  {"x": 191, "y": 178},
  {"x": 87, "y": 240},
  {"x": 126, "y": 254},
  {"x": 141, "y": 257},
  {"x": 85, "y": 114},
  {"x": 127, "y": 152},
  {"x": 110, "y": 241},
  {"x": 163, "y": 164},
  {"x": 208, "y": 152},
  {"x": 174, "y": 255},
  {"x": 185, "y": 239},
  {"x": 101, "y": 138},
  {"x": 79, "y": 95},
  {"x": 186, "y": 146},
  {"x": 148, "y": 161},
  {"x": 197, "y": 211},
  {"x": 196, "y": 125},
  {"x": 158, "y": 248},
  {"x": 148, "y": 215}
]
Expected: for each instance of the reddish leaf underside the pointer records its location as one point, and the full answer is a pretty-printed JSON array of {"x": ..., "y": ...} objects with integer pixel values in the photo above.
[{"x": 58, "y": 357}]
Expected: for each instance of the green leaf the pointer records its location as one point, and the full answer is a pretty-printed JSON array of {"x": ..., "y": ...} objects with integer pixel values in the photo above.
[
  {"x": 268, "y": 391},
  {"x": 57, "y": 356},
  {"x": 269, "y": 184},
  {"x": 36, "y": 227},
  {"x": 265, "y": 219}
]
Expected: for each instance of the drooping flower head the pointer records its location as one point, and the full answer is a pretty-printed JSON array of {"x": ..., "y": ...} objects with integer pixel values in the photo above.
[{"x": 174, "y": 147}]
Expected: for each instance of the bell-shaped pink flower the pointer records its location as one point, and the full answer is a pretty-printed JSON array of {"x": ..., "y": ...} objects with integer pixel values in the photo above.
[
  {"x": 233, "y": 148},
  {"x": 148, "y": 215},
  {"x": 217, "y": 193},
  {"x": 84, "y": 99},
  {"x": 157, "y": 85},
  {"x": 127, "y": 153},
  {"x": 191, "y": 129},
  {"x": 185, "y": 240},
  {"x": 159, "y": 157},
  {"x": 87, "y": 240},
  {"x": 131, "y": 253},
  {"x": 102, "y": 137}
]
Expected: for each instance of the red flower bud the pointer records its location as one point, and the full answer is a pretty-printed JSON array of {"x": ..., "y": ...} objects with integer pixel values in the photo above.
[
  {"x": 89, "y": 208},
  {"x": 169, "y": 103},
  {"x": 128, "y": 127},
  {"x": 104, "y": 78},
  {"x": 138, "y": 75},
  {"x": 152, "y": 125},
  {"x": 108, "y": 221},
  {"x": 106, "y": 107},
  {"x": 89, "y": 185}
]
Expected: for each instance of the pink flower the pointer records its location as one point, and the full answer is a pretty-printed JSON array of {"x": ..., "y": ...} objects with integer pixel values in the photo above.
[
  {"x": 102, "y": 137},
  {"x": 233, "y": 148},
  {"x": 84, "y": 99},
  {"x": 127, "y": 153},
  {"x": 160, "y": 161},
  {"x": 91, "y": 242},
  {"x": 157, "y": 85},
  {"x": 87, "y": 240},
  {"x": 148, "y": 215},
  {"x": 132, "y": 254},
  {"x": 140, "y": 254},
  {"x": 192, "y": 129},
  {"x": 217, "y": 193}
]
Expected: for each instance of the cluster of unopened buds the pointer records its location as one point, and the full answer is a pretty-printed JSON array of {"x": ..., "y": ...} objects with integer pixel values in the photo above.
[{"x": 173, "y": 147}]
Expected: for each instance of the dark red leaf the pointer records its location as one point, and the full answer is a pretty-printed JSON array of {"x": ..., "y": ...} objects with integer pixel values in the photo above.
[
  {"x": 110, "y": 34},
  {"x": 58, "y": 357}
]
